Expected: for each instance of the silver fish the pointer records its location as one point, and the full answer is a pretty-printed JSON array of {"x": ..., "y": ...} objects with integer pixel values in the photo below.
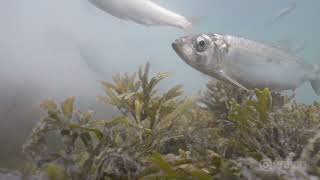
[
  {"x": 143, "y": 12},
  {"x": 245, "y": 63},
  {"x": 283, "y": 12},
  {"x": 289, "y": 46}
]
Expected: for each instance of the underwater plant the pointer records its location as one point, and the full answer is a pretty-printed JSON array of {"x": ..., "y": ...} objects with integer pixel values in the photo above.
[
  {"x": 226, "y": 134},
  {"x": 116, "y": 148}
]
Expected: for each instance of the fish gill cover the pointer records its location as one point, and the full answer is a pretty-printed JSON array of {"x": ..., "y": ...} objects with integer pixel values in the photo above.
[{"x": 233, "y": 134}]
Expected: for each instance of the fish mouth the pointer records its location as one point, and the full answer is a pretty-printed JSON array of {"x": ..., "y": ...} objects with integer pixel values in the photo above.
[
  {"x": 177, "y": 46},
  {"x": 182, "y": 49}
]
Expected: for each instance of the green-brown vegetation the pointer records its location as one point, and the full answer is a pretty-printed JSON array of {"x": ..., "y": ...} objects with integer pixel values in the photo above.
[{"x": 225, "y": 134}]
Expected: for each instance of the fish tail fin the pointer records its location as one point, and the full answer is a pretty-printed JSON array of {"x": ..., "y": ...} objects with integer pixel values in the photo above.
[
  {"x": 188, "y": 26},
  {"x": 195, "y": 20},
  {"x": 189, "y": 30},
  {"x": 315, "y": 84}
]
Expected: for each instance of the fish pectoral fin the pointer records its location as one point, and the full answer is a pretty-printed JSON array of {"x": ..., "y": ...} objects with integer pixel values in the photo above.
[{"x": 234, "y": 82}]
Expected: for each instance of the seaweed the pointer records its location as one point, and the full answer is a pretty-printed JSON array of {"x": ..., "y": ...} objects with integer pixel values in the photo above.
[
  {"x": 116, "y": 148},
  {"x": 227, "y": 133}
]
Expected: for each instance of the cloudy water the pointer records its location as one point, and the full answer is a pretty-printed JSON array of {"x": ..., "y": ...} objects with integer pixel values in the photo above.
[{"x": 58, "y": 48}]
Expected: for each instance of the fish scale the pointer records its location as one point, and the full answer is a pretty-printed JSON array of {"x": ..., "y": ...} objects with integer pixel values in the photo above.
[{"x": 259, "y": 48}]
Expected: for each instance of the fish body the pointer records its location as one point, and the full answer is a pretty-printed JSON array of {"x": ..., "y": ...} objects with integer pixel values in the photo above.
[
  {"x": 144, "y": 12},
  {"x": 289, "y": 46},
  {"x": 283, "y": 12},
  {"x": 246, "y": 63}
]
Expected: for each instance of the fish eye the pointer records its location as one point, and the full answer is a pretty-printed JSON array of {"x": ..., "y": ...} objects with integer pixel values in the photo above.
[{"x": 201, "y": 44}]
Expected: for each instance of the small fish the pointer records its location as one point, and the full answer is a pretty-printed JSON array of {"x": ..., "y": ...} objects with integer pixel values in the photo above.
[
  {"x": 143, "y": 12},
  {"x": 283, "y": 12},
  {"x": 245, "y": 63}
]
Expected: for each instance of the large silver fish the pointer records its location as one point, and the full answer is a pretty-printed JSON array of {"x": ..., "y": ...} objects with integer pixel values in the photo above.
[
  {"x": 245, "y": 63},
  {"x": 144, "y": 12}
]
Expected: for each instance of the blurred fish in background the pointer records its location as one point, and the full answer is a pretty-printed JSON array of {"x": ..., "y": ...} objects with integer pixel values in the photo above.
[
  {"x": 143, "y": 12},
  {"x": 284, "y": 12}
]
